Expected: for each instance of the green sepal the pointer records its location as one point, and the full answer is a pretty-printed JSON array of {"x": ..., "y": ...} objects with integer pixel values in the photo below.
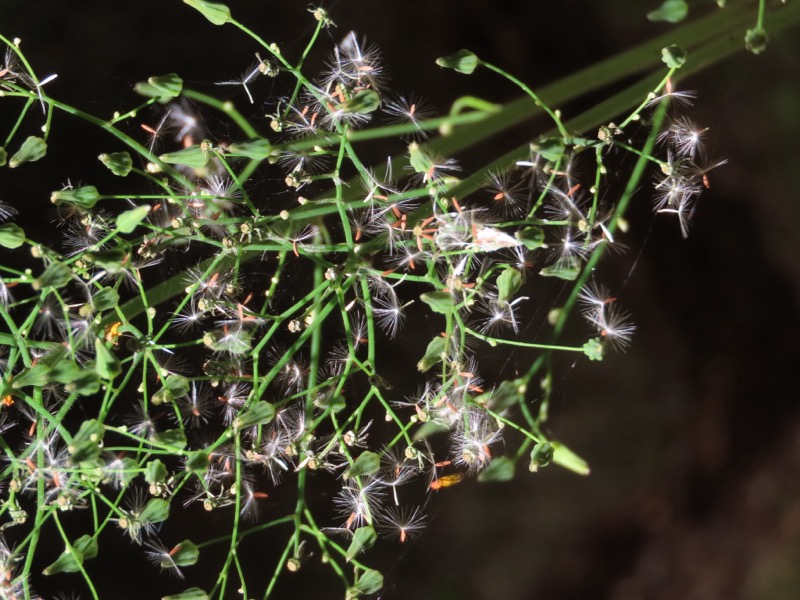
[
  {"x": 258, "y": 149},
  {"x": 185, "y": 554},
  {"x": 217, "y": 13},
  {"x": 531, "y": 237},
  {"x": 671, "y": 11},
  {"x": 505, "y": 395},
  {"x": 106, "y": 364},
  {"x": 566, "y": 458},
  {"x": 119, "y": 163},
  {"x": 755, "y": 40},
  {"x": 508, "y": 284},
  {"x": 197, "y": 461},
  {"x": 86, "y": 444},
  {"x": 11, "y": 235},
  {"x": 367, "y": 463},
  {"x": 541, "y": 456},
  {"x": 500, "y": 469},
  {"x": 551, "y": 149},
  {"x": 363, "y": 539},
  {"x": 71, "y": 560},
  {"x": 193, "y": 593},
  {"x": 593, "y": 349},
  {"x": 112, "y": 260},
  {"x": 155, "y": 511},
  {"x": 174, "y": 438},
  {"x": 462, "y": 61},
  {"x": 32, "y": 149},
  {"x": 3, "y": 156},
  {"x": 155, "y": 472},
  {"x": 364, "y": 102},
  {"x": 369, "y": 582},
  {"x": 433, "y": 354},
  {"x": 194, "y": 157},
  {"x": 428, "y": 429},
  {"x": 162, "y": 87},
  {"x": 105, "y": 299},
  {"x": 566, "y": 268},
  {"x": 83, "y": 197},
  {"x": 130, "y": 219},
  {"x": 673, "y": 56},
  {"x": 260, "y": 413},
  {"x": 56, "y": 275},
  {"x": 174, "y": 386},
  {"x": 440, "y": 302}
]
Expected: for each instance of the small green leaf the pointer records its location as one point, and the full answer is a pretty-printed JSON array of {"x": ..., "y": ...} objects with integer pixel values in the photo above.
[
  {"x": 462, "y": 61},
  {"x": 162, "y": 87},
  {"x": 83, "y": 197},
  {"x": 500, "y": 469},
  {"x": 71, "y": 559},
  {"x": 593, "y": 349},
  {"x": 531, "y": 237},
  {"x": 365, "y": 101},
  {"x": 755, "y": 40},
  {"x": 193, "y": 593},
  {"x": 257, "y": 149},
  {"x": 130, "y": 219},
  {"x": 568, "y": 459},
  {"x": 171, "y": 437},
  {"x": 155, "y": 472},
  {"x": 194, "y": 157},
  {"x": 566, "y": 268},
  {"x": 671, "y": 11},
  {"x": 119, "y": 163},
  {"x": 11, "y": 235},
  {"x": 217, "y": 13},
  {"x": 56, "y": 275},
  {"x": 673, "y": 56},
  {"x": 541, "y": 455},
  {"x": 260, "y": 413},
  {"x": 106, "y": 364},
  {"x": 440, "y": 302},
  {"x": 3, "y": 156},
  {"x": 32, "y": 149},
  {"x": 508, "y": 284},
  {"x": 363, "y": 539},
  {"x": 367, "y": 463},
  {"x": 185, "y": 554}
]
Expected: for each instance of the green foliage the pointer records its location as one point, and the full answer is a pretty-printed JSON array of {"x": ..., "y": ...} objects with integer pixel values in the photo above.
[{"x": 227, "y": 323}]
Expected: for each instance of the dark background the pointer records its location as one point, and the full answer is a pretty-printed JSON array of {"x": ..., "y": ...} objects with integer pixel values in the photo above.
[{"x": 693, "y": 435}]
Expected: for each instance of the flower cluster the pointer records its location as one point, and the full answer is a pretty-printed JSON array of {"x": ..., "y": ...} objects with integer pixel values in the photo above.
[{"x": 230, "y": 338}]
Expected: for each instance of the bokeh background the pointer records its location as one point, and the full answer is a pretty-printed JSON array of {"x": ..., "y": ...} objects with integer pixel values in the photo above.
[{"x": 693, "y": 436}]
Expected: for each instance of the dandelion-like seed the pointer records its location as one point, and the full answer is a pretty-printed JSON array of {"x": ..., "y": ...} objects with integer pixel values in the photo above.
[{"x": 401, "y": 523}]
